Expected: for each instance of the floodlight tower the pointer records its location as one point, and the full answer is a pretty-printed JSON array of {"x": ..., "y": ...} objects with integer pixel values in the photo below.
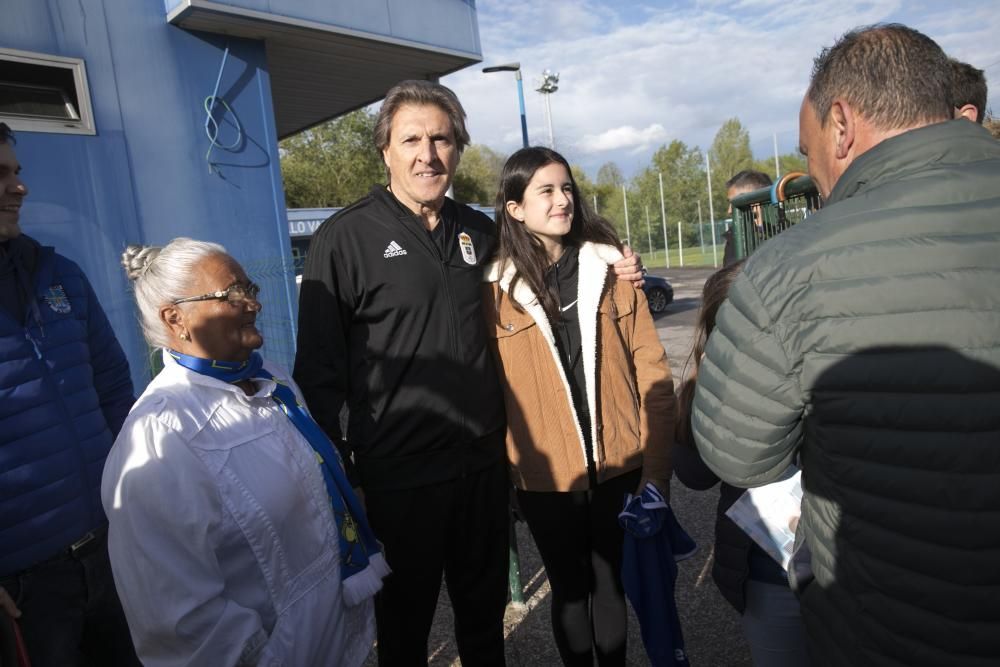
[{"x": 549, "y": 84}]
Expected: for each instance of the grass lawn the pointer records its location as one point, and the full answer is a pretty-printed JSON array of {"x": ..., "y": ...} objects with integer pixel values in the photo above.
[{"x": 692, "y": 257}]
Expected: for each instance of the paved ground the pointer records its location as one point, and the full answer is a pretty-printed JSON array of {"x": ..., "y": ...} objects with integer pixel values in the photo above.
[{"x": 711, "y": 627}]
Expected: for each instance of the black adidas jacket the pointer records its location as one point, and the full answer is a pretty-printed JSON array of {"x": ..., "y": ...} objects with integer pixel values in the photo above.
[{"x": 391, "y": 326}]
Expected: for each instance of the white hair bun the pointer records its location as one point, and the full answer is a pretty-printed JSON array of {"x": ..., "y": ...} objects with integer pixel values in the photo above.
[{"x": 137, "y": 259}]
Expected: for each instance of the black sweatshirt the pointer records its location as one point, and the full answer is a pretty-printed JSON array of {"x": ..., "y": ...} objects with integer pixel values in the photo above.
[
  {"x": 390, "y": 324},
  {"x": 563, "y": 278}
]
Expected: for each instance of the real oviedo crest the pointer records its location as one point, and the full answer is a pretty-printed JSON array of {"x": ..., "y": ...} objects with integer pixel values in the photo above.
[
  {"x": 57, "y": 299},
  {"x": 468, "y": 250}
]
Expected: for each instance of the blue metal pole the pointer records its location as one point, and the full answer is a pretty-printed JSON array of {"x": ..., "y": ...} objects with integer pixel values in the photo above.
[{"x": 524, "y": 118}]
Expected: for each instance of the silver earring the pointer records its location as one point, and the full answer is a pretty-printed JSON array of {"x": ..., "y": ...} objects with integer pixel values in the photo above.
[{"x": 184, "y": 336}]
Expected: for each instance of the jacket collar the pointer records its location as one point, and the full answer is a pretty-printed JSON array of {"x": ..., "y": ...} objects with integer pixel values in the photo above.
[
  {"x": 594, "y": 260},
  {"x": 592, "y": 255},
  {"x": 175, "y": 370},
  {"x": 911, "y": 152}
]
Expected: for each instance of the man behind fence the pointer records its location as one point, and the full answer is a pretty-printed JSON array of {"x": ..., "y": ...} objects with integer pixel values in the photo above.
[
  {"x": 741, "y": 183},
  {"x": 864, "y": 343}
]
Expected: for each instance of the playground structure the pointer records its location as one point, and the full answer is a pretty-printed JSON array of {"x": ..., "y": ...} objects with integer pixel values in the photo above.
[{"x": 763, "y": 214}]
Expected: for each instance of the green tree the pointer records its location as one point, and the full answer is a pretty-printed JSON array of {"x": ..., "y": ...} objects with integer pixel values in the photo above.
[
  {"x": 608, "y": 189},
  {"x": 682, "y": 170},
  {"x": 478, "y": 175},
  {"x": 992, "y": 123},
  {"x": 588, "y": 189},
  {"x": 331, "y": 164},
  {"x": 610, "y": 175},
  {"x": 729, "y": 154},
  {"x": 789, "y": 162}
]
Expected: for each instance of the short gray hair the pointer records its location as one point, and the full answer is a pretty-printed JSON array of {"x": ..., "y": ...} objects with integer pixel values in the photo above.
[
  {"x": 418, "y": 92},
  {"x": 894, "y": 76},
  {"x": 162, "y": 275}
]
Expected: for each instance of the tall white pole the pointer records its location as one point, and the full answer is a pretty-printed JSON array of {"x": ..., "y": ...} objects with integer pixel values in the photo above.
[
  {"x": 777, "y": 168},
  {"x": 548, "y": 118},
  {"x": 701, "y": 229},
  {"x": 663, "y": 218},
  {"x": 680, "y": 243},
  {"x": 628, "y": 232},
  {"x": 649, "y": 234},
  {"x": 595, "y": 203},
  {"x": 711, "y": 212}
]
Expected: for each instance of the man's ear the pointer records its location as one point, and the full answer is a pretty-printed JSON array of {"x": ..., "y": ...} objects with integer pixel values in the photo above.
[
  {"x": 969, "y": 112},
  {"x": 515, "y": 211},
  {"x": 844, "y": 123}
]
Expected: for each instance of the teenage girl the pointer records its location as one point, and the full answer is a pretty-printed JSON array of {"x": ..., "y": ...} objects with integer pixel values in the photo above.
[{"x": 589, "y": 397}]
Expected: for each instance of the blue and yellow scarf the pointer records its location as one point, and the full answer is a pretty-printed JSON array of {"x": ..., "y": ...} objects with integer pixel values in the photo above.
[{"x": 362, "y": 565}]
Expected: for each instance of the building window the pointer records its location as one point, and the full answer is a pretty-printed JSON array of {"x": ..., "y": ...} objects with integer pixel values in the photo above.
[{"x": 43, "y": 93}]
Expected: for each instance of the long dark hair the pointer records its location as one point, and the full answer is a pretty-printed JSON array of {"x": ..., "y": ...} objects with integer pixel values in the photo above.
[
  {"x": 713, "y": 295},
  {"x": 518, "y": 246}
]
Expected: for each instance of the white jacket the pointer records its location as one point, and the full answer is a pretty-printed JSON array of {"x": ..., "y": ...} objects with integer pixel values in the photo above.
[{"x": 222, "y": 538}]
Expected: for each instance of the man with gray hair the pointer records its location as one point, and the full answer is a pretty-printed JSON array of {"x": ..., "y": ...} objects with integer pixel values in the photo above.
[
  {"x": 390, "y": 325},
  {"x": 863, "y": 344}
]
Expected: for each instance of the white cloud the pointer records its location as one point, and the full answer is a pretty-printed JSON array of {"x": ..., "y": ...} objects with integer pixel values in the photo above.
[
  {"x": 634, "y": 76},
  {"x": 624, "y": 137}
]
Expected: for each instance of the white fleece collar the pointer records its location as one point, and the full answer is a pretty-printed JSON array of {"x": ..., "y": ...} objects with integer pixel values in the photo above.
[{"x": 592, "y": 277}]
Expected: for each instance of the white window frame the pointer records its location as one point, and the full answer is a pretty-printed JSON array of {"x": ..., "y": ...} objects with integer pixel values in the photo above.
[{"x": 83, "y": 125}]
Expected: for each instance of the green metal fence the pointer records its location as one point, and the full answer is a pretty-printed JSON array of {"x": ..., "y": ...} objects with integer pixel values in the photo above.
[{"x": 765, "y": 213}]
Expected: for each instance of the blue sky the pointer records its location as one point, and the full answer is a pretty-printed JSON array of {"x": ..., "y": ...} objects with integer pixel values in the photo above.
[{"x": 636, "y": 75}]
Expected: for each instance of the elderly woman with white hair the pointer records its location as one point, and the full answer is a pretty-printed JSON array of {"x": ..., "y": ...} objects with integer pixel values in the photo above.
[{"x": 234, "y": 536}]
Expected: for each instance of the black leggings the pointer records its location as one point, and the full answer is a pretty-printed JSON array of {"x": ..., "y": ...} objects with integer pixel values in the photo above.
[{"x": 580, "y": 541}]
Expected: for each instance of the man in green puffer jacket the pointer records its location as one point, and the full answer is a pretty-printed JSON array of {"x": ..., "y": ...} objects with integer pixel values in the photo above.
[{"x": 864, "y": 344}]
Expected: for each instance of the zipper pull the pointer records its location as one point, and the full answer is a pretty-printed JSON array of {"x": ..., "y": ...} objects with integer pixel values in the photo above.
[{"x": 34, "y": 344}]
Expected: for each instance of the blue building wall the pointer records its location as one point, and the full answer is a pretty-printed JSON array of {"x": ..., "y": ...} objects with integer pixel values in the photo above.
[{"x": 144, "y": 177}]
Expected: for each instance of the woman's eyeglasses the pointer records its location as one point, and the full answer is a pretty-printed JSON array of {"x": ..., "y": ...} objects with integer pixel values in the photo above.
[{"x": 235, "y": 294}]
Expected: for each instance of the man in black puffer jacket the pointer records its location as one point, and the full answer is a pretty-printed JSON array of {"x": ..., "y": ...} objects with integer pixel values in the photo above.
[{"x": 865, "y": 341}]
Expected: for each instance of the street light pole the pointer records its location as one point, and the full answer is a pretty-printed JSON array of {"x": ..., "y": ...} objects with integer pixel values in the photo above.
[
  {"x": 549, "y": 84},
  {"x": 516, "y": 69},
  {"x": 520, "y": 102}
]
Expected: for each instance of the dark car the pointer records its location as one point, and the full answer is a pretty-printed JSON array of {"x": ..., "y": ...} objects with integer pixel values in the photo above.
[{"x": 659, "y": 293}]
